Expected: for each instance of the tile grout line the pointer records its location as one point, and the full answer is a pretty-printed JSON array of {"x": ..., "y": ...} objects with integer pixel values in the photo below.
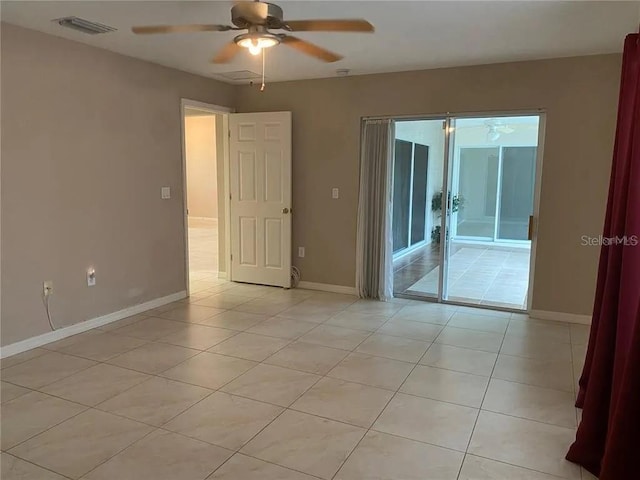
[
  {"x": 45, "y": 430},
  {"x": 374, "y": 421},
  {"x": 119, "y": 452},
  {"x": 284, "y": 409},
  {"x": 482, "y": 403},
  {"x": 383, "y": 409},
  {"x": 270, "y": 463},
  {"x": 518, "y": 466},
  {"x": 389, "y": 401},
  {"x": 23, "y": 361},
  {"x": 35, "y": 464}
]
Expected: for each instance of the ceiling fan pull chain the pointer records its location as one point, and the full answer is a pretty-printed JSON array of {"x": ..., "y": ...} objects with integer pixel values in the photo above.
[{"x": 264, "y": 52}]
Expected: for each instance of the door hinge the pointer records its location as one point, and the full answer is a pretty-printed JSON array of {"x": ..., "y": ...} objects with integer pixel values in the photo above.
[
  {"x": 229, "y": 133},
  {"x": 232, "y": 257},
  {"x": 229, "y": 196}
]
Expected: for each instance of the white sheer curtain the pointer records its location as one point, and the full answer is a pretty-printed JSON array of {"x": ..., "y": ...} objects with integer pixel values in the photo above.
[{"x": 374, "y": 276}]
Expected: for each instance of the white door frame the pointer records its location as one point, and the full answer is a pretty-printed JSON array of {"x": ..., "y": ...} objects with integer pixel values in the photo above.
[
  {"x": 542, "y": 125},
  {"x": 224, "y": 112}
]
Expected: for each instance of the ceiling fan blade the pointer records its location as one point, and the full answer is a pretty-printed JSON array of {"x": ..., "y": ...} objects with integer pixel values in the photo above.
[
  {"x": 311, "y": 49},
  {"x": 227, "y": 53},
  {"x": 150, "y": 29},
  {"x": 347, "y": 25}
]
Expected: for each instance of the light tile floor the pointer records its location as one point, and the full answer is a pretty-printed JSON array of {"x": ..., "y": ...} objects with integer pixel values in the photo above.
[{"x": 243, "y": 382}]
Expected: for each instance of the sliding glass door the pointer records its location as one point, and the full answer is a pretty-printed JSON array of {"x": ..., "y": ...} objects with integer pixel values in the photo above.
[
  {"x": 463, "y": 202},
  {"x": 517, "y": 186},
  {"x": 417, "y": 182},
  {"x": 475, "y": 179},
  {"x": 491, "y": 188},
  {"x": 497, "y": 186}
]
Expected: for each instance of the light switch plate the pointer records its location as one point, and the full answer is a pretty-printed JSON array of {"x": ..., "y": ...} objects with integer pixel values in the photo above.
[
  {"x": 335, "y": 193},
  {"x": 165, "y": 193}
]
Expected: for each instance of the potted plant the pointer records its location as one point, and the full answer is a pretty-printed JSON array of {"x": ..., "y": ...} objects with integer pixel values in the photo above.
[{"x": 436, "y": 207}]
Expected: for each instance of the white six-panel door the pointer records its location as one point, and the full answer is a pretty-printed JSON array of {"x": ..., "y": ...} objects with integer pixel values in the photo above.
[{"x": 260, "y": 205}]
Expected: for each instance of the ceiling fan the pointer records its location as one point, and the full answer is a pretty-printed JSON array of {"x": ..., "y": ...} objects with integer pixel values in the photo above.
[
  {"x": 496, "y": 128},
  {"x": 258, "y": 18}
]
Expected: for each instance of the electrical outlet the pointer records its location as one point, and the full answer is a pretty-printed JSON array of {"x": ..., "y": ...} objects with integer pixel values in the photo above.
[
  {"x": 91, "y": 277},
  {"x": 301, "y": 252},
  {"x": 335, "y": 193},
  {"x": 47, "y": 288}
]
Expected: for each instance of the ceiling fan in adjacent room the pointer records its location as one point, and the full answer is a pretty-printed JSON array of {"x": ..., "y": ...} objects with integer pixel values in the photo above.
[
  {"x": 258, "y": 19},
  {"x": 496, "y": 128}
]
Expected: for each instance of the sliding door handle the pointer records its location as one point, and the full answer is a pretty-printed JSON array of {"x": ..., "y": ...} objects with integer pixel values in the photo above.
[{"x": 530, "y": 232}]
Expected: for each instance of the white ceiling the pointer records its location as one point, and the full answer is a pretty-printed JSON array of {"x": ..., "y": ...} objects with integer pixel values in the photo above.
[{"x": 409, "y": 35}]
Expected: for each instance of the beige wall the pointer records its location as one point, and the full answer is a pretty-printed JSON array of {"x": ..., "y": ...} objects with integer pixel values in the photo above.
[
  {"x": 580, "y": 98},
  {"x": 200, "y": 152},
  {"x": 88, "y": 139}
]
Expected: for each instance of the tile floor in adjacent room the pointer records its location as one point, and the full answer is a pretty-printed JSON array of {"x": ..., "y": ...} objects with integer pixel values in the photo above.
[
  {"x": 481, "y": 274},
  {"x": 243, "y": 382},
  {"x": 203, "y": 248}
]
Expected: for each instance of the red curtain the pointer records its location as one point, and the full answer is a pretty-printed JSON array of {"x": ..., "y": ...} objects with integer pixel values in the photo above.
[{"x": 608, "y": 439}]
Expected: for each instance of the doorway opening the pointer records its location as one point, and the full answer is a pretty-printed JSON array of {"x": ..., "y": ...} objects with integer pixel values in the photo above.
[
  {"x": 465, "y": 194},
  {"x": 204, "y": 193}
]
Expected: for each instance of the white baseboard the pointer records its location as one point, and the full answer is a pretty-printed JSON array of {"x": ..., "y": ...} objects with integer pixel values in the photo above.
[
  {"x": 561, "y": 317},
  {"x": 326, "y": 287},
  {"x": 64, "y": 332},
  {"x": 222, "y": 275}
]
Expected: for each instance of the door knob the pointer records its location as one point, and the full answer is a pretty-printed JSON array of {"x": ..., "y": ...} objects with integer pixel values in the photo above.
[{"x": 285, "y": 210}]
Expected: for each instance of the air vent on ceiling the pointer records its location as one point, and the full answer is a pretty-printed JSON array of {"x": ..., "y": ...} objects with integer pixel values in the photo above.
[
  {"x": 240, "y": 75},
  {"x": 84, "y": 26}
]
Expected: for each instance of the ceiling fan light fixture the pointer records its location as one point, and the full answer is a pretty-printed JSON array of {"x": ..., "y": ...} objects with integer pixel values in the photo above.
[
  {"x": 493, "y": 134},
  {"x": 255, "y": 43}
]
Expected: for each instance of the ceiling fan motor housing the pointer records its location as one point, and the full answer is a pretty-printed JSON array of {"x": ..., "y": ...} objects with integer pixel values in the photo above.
[{"x": 247, "y": 14}]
